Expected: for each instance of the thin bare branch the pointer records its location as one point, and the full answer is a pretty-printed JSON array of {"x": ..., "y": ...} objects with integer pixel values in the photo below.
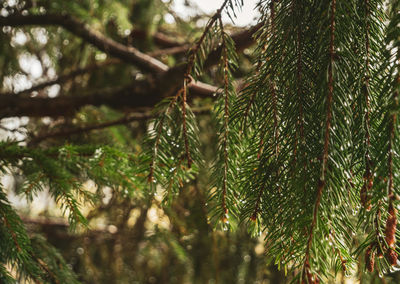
[{"x": 109, "y": 46}]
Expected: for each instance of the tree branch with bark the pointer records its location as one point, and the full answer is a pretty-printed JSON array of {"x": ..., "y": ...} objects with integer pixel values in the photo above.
[{"x": 140, "y": 94}]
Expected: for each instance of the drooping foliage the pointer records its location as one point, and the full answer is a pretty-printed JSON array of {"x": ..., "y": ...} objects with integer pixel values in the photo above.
[
  {"x": 304, "y": 148},
  {"x": 323, "y": 107}
]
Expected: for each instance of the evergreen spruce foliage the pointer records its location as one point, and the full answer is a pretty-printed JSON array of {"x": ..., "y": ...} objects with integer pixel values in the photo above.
[
  {"x": 323, "y": 107},
  {"x": 306, "y": 152},
  {"x": 61, "y": 170}
]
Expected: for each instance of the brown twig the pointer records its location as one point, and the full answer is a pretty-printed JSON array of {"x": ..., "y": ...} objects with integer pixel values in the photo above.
[
  {"x": 159, "y": 38},
  {"x": 170, "y": 51},
  {"x": 65, "y": 77},
  {"x": 126, "y": 119}
]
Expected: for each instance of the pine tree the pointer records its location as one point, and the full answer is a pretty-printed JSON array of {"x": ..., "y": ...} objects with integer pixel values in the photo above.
[{"x": 304, "y": 153}]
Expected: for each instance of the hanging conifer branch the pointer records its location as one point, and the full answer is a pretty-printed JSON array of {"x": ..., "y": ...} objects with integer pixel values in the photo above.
[
  {"x": 185, "y": 135},
  {"x": 46, "y": 269},
  {"x": 13, "y": 234},
  {"x": 257, "y": 206},
  {"x": 207, "y": 29},
  {"x": 311, "y": 138},
  {"x": 300, "y": 120},
  {"x": 253, "y": 95},
  {"x": 158, "y": 136},
  {"x": 247, "y": 110},
  {"x": 391, "y": 222},
  {"x": 261, "y": 190},
  {"x": 368, "y": 176},
  {"x": 226, "y": 117},
  {"x": 187, "y": 78},
  {"x": 380, "y": 246},
  {"x": 170, "y": 169},
  {"x": 224, "y": 169},
  {"x": 325, "y": 154},
  {"x": 273, "y": 88},
  {"x": 174, "y": 173},
  {"x": 193, "y": 51}
]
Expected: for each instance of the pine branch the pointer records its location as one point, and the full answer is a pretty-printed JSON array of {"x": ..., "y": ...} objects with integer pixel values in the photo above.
[
  {"x": 158, "y": 137},
  {"x": 242, "y": 39},
  {"x": 187, "y": 79},
  {"x": 226, "y": 117},
  {"x": 15, "y": 244},
  {"x": 46, "y": 269},
  {"x": 391, "y": 222},
  {"x": 184, "y": 127},
  {"x": 299, "y": 71},
  {"x": 200, "y": 41},
  {"x": 368, "y": 176},
  {"x": 325, "y": 154},
  {"x": 272, "y": 88},
  {"x": 223, "y": 195},
  {"x": 13, "y": 234}
]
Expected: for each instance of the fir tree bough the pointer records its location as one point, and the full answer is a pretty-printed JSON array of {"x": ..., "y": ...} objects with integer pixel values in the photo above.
[{"x": 306, "y": 145}]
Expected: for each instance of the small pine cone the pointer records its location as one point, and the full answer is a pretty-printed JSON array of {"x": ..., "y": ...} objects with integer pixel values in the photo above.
[
  {"x": 308, "y": 277},
  {"x": 363, "y": 195},
  {"x": 365, "y": 191},
  {"x": 392, "y": 257},
  {"x": 344, "y": 268},
  {"x": 370, "y": 182},
  {"x": 370, "y": 258},
  {"x": 390, "y": 230}
]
